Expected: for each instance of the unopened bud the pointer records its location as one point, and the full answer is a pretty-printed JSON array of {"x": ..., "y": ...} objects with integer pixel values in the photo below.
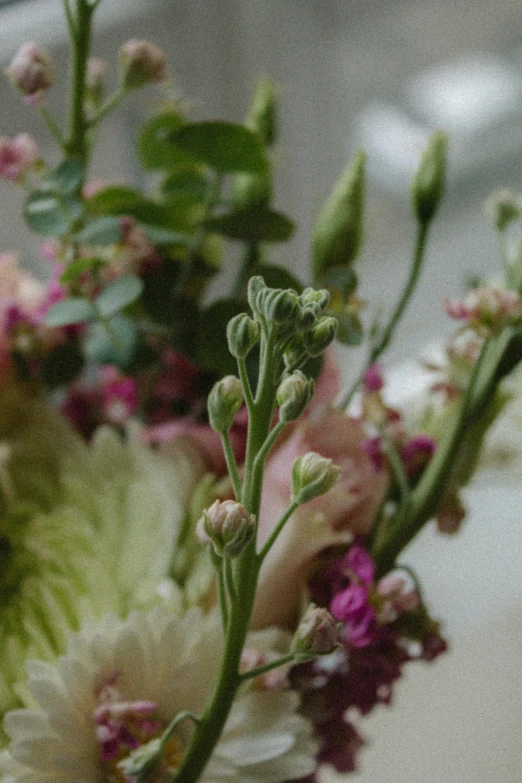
[
  {"x": 313, "y": 475},
  {"x": 140, "y": 62},
  {"x": 503, "y": 207},
  {"x": 228, "y": 526},
  {"x": 242, "y": 335},
  {"x": 256, "y": 284},
  {"x": 278, "y": 305},
  {"x": 429, "y": 180},
  {"x": 223, "y": 403},
  {"x": 95, "y": 81},
  {"x": 262, "y": 114},
  {"x": 31, "y": 71},
  {"x": 317, "y": 634},
  {"x": 319, "y": 337},
  {"x": 318, "y": 297},
  {"x": 294, "y": 394},
  {"x": 141, "y": 764},
  {"x": 338, "y": 229}
]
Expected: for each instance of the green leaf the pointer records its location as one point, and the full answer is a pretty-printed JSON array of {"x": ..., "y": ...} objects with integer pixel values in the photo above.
[
  {"x": 212, "y": 345},
  {"x": 105, "y": 230},
  {"x": 118, "y": 295},
  {"x": 74, "y": 310},
  {"x": 51, "y": 215},
  {"x": 67, "y": 177},
  {"x": 62, "y": 365},
  {"x": 154, "y": 146},
  {"x": 114, "y": 343},
  {"x": 349, "y": 329},
  {"x": 77, "y": 268},
  {"x": 253, "y": 225},
  {"x": 115, "y": 200},
  {"x": 341, "y": 279},
  {"x": 188, "y": 182},
  {"x": 223, "y": 146},
  {"x": 164, "y": 236}
]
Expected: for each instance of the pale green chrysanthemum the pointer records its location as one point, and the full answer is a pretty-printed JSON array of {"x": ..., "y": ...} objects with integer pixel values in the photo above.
[{"x": 93, "y": 535}]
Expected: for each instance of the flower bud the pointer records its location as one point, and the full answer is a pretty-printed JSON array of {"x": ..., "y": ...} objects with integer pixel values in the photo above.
[
  {"x": 140, "y": 62},
  {"x": 278, "y": 305},
  {"x": 319, "y": 337},
  {"x": 141, "y": 764},
  {"x": 319, "y": 297},
  {"x": 242, "y": 335},
  {"x": 256, "y": 284},
  {"x": 338, "y": 229},
  {"x": 294, "y": 395},
  {"x": 95, "y": 81},
  {"x": 223, "y": 403},
  {"x": 313, "y": 475},
  {"x": 31, "y": 71},
  {"x": 262, "y": 114},
  {"x": 503, "y": 207},
  {"x": 317, "y": 634},
  {"x": 428, "y": 183},
  {"x": 228, "y": 526}
]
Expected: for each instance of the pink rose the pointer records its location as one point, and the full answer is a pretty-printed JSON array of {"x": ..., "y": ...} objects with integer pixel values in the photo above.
[{"x": 348, "y": 509}]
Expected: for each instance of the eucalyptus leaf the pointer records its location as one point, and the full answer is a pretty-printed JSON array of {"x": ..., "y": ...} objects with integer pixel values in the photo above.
[
  {"x": 78, "y": 267},
  {"x": 112, "y": 343},
  {"x": 223, "y": 146},
  {"x": 105, "y": 230},
  {"x": 67, "y": 177},
  {"x": 253, "y": 225},
  {"x": 73, "y": 310},
  {"x": 115, "y": 200},
  {"x": 118, "y": 295},
  {"x": 164, "y": 236},
  {"x": 189, "y": 182},
  {"x": 51, "y": 215}
]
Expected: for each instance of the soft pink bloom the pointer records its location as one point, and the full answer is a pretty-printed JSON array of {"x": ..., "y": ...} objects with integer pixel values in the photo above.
[
  {"x": 119, "y": 395},
  {"x": 141, "y": 62},
  {"x": 372, "y": 378},
  {"x": 487, "y": 310},
  {"x": 416, "y": 453},
  {"x": 18, "y": 290},
  {"x": 352, "y": 607},
  {"x": 348, "y": 509},
  {"x": 361, "y": 564},
  {"x": 31, "y": 71},
  {"x": 17, "y": 155}
]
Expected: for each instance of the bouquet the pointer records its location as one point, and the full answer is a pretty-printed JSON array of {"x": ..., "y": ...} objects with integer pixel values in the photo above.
[{"x": 201, "y": 537}]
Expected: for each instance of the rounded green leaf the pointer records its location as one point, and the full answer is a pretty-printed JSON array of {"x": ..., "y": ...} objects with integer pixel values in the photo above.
[
  {"x": 118, "y": 295},
  {"x": 105, "y": 230},
  {"x": 154, "y": 146},
  {"x": 77, "y": 268},
  {"x": 67, "y": 177},
  {"x": 164, "y": 236},
  {"x": 74, "y": 310},
  {"x": 51, "y": 215},
  {"x": 112, "y": 343},
  {"x": 253, "y": 225},
  {"x": 115, "y": 200},
  {"x": 278, "y": 277},
  {"x": 224, "y": 146}
]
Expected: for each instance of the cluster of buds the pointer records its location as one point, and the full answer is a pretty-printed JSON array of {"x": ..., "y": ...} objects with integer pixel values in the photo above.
[
  {"x": 31, "y": 71},
  {"x": 364, "y": 605},
  {"x": 487, "y": 310},
  {"x": 228, "y": 526}
]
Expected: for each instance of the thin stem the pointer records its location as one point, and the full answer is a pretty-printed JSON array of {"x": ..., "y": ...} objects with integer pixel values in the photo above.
[
  {"x": 229, "y": 579},
  {"x": 71, "y": 22},
  {"x": 76, "y": 145},
  {"x": 247, "y": 389},
  {"x": 232, "y": 466},
  {"x": 53, "y": 126},
  {"x": 108, "y": 106},
  {"x": 222, "y": 592},
  {"x": 267, "y": 445},
  {"x": 386, "y": 336},
  {"x": 266, "y": 667},
  {"x": 397, "y": 468},
  {"x": 267, "y": 546}
]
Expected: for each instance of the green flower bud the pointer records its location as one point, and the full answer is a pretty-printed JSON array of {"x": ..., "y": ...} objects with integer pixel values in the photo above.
[
  {"x": 428, "y": 183},
  {"x": 338, "y": 229},
  {"x": 256, "y": 284},
  {"x": 294, "y": 351},
  {"x": 313, "y": 475},
  {"x": 251, "y": 190},
  {"x": 306, "y": 318},
  {"x": 293, "y": 396},
  {"x": 223, "y": 403},
  {"x": 242, "y": 335},
  {"x": 317, "y": 634},
  {"x": 141, "y": 764},
  {"x": 278, "y": 305},
  {"x": 319, "y": 337},
  {"x": 314, "y": 296},
  {"x": 503, "y": 207},
  {"x": 228, "y": 526},
  {"x": 262, "y": 114}
]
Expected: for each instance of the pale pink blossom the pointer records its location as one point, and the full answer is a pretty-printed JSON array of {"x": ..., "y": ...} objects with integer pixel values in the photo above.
[
  {"x": 17, "y": 155},
  {"x": 31, "y": 71},
  {"x": 487, "y": 310},
  {"x": 348, "y": 509},
  {"x": 141, "y": 62},
  {"x": 18, "y": 287}
]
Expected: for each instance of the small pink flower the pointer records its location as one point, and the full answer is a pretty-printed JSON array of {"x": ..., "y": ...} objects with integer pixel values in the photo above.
[
  {"x": 31, "y": 71},
  {"x": 361, "y": 564},
  {"x": 351, "y": 607},
  {"x": 416, "y": 453},
  {"x": 487, "y": 310},
  {"x": 372, "y": 379},
  {"x": 119, "y": 395},
  {"x": 17, "y": 156}
]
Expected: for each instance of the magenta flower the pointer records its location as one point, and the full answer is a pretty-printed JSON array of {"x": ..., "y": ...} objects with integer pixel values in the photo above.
[
  {"x": 351, "y": 607},
  {"x": 361, "y": 564},
  {"x": 372, "y": 378}
]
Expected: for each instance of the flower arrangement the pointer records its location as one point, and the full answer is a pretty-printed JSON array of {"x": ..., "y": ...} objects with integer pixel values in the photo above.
[{"x": 201, "y": 534}]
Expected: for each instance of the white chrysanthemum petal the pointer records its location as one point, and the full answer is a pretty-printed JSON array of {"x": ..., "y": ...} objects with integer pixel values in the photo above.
[{"x": 264, "y": 741}]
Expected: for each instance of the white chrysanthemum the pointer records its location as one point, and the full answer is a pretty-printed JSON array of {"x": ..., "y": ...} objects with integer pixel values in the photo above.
[
  {"x": 157, "y": 665},
  {"x": 101, "y": 541}
]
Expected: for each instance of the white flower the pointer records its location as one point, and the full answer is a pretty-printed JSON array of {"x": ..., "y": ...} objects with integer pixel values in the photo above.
[
  {"x": 126, "y": 680},
  {"x": 88, "y": 530}
]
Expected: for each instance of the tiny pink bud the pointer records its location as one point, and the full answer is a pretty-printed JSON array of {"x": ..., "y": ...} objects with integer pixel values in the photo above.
[
  {"x": 31, "y": 70},
  {"x": 228, "y": 526},
  {"x": 372, "y": 378},
  {"x": 317, "y": 634},
  {"x": 17, "y": 155},
  {"x": 141, "y": 62}
]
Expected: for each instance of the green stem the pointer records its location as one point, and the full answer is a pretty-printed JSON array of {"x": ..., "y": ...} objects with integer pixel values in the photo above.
[
  {"x": 266, "y": 667},
  {"x": 108, "y": 106},
  {"x": 71, "y": 23},
  {"x": 247, "y": 389},
  {"x": 52, "y": 125},
  {"x": 276, "y": 531},
  {"x": 231, "y": 465},
  {"x": 229, "y": 579},
  {"x": 76, "y": 145},
  {"x": 386, "y": 336}
]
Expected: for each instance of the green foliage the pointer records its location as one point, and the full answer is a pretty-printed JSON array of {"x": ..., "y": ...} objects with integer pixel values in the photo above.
[
  {"x": 73, "y": 310},
  {"x": 118, "y": 295},
  {"x": 154, "y": 144},
  {"x": 113, "y": 342},
  {"x": 104, "y": 230},
  {"x": 253, "y": 225},
  {"x": 62, "y": 365},
  {"x": 51, "y": 214},
  {"x": 223, "y": 146}
]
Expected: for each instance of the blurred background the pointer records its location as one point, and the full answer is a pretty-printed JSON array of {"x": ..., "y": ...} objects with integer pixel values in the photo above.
[{"x": 382, "y": 75}]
